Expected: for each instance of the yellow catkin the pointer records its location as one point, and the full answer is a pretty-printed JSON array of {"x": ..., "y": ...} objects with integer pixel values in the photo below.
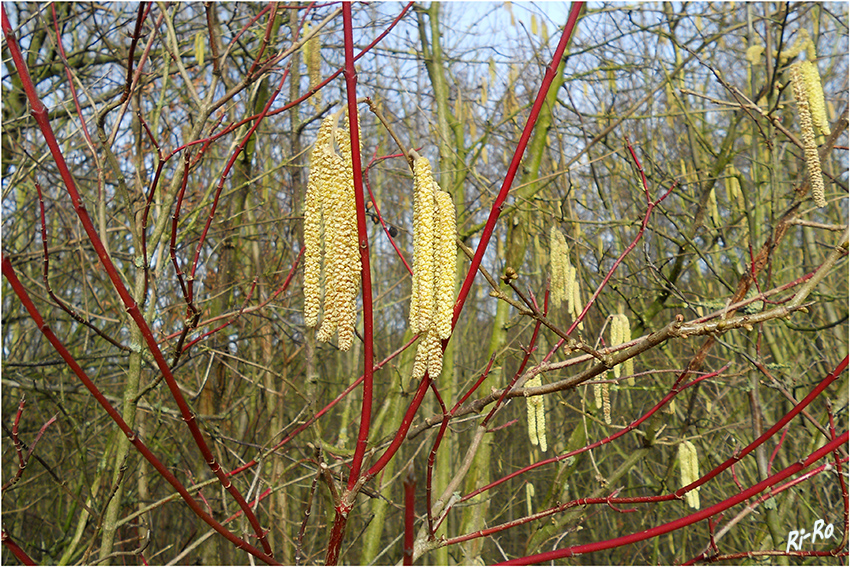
[
  {"x": 800, "y": 44},
  {"x": 626, "y": 336},
  {"x": 689, "y": 471},
  {"x": 313, "y": 58},
  {"x": 350, "y": 255},
  {"x": 621, "y": 333},
  {"x": 536, "y": 416},
  {"x": 334, "y": 184},
  {"x": 422, "y": 300},
  {"x": 808, "y": 133},
  {"x": 531, "y": 410},
  {"x": 754, "y": 54},
  {"x": 445, "y": 257},
  {"x": 597, "y": 394},
  {"x": 814, "y": 92},
  {"x": 435, "y": 355},
  {"x": 606, "y": 403},
  {"x": 558, "y": 266},
  {"x": 576, "y": 305},
  {"x": 695, "y": 474},
  {"x": 434, "y": 256},
  {"x": 313, "y": 225},
  {"x": 529, "y": 493},
  {"x": 420, "y": 362},
  {"x": 327, "y": 166},
  {"x": 541, "y": 424},
  {"x": 616, "y": 338},
  {"x": 684, "y": 464},
  {"x": 352, "y": 248}
]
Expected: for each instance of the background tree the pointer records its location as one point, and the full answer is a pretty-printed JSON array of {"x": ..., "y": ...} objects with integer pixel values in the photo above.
[{"x": 648, "y": 161}]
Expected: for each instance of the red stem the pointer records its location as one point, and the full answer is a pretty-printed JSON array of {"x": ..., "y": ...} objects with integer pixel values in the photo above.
[
  {"x": 324, "y": 410},
  {"x": 39, "y": 112},
  {"x": 135, "y": 40},
  {"x": 687, "y": 520},
  {"x": 363, "y": 240},
  {"x": 318, "y": 87},
  {"x": 22, "y": 461},
  {"x": 16, "y": 550},
  {"x": 776, "y": 450},
  {"x": 432, "y": 457},
  {"x": 266, "y": 37},
  {"x": 496, "y": 209},
  {"x": 20, "y": 291},
  {"x": 761, "y": 499},
  {"x": 631, "y": 427},
  {"x": 349, "y": 495},
  {"x": 406, "y": 422}
]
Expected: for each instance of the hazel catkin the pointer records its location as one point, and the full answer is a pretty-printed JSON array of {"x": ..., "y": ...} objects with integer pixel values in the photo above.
[
  {"x": 445, "y": 255},
  {"x": 536, "y": 416},
  {"x": 330, "y": 227},
  {"x": 689, "y": 471},
  {"x": 810, "y": 148},
  {"x": 422, "y": 301},
  {"x": 434, "y": 255}
]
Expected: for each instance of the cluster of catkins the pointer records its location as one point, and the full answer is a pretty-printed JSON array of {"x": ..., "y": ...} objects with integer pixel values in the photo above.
[
  {"x": 434, "y": 251},
  {"x": 536, "y": 415},
  {"x": 689, "y": 471},
  {"x": 622, "y": 333},
  {"x": 330, "y": 237},
  {"x": 564, "y": 282},
  {"x": 808, "y": 93}
]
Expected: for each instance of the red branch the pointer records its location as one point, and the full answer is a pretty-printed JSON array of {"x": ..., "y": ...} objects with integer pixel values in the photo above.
[
  {"x": 39, "y": 112},
  {"x": 20, "y": 291},
  {"x": 687, "y": 520},
  {"x": 363, "y": 241},
  {"x": 719, "y": 507},
  {"x": 16, "y": 549},
  {"x": 675, "y": 391},
  {"x": 496, "y": 209}
]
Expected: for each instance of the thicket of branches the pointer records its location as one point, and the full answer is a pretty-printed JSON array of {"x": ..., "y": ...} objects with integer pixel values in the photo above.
[{"x": 163, "y": 401}]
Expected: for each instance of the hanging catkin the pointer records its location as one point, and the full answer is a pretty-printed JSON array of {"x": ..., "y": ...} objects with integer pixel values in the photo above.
[
  {"x": 536, "y": 415},
  {"x": 621, "y": 333},
  {"x": 559, "y": 261},
  {"x": 689, "y": 471},
  {"x": 814, "y": 92},
  {"x": 422, "y": 300},
  {"x": 810, "y": 147},
  {"x": 434, "y": 255},
  {"x": 313, "y": 227},
  {"x": 313, "y": 57},
  {"x": 330, "y": 227},
  {"x": 445, "y": 256}
]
